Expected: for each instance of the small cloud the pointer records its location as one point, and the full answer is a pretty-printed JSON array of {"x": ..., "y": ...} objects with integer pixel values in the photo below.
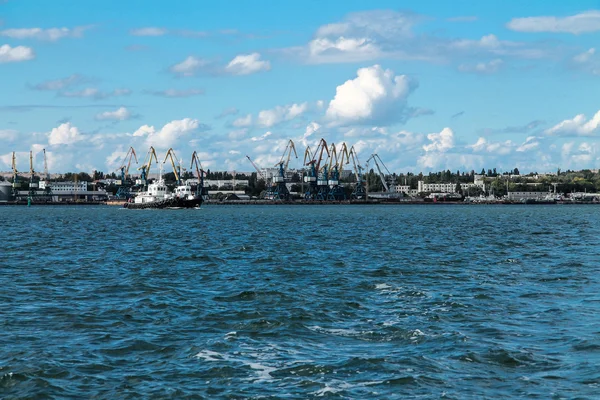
[
  {"x": 190, "y": 66},
  {"x": 95, "y": 94},
  {"x": 172, "y": 93},
  {"x": 148, "y": 31},
  {"x": 52, "y": 34},
  {"x": 585, "y": 22},
  {"x": 64, "y": 83},
  {"x": 261, "y": 138},
  {"x": 513, "y": 129},
  {"x": 120, "y": 114},
  {"x": 243, "y": 121},
  {"x": 227, "y": 112},
  {"x": 246, "y": 64},
  {"x": 482, "y": 67},
  {"x": 458, "y": 114},
  {"x": 15, "y": 54}
]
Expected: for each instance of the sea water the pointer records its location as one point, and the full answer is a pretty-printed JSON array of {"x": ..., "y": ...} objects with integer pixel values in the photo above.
[{"x": 437, "y": 301}]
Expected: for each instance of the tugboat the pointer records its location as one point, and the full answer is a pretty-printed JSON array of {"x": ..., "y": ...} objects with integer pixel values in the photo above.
[{"x": 157, "y": 194}]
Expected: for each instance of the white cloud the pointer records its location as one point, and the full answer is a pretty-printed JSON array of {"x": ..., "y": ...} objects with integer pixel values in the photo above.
[
  {"x": 59, "y": 84},
  {"x": 482, "y": 67},
  {"x": 189, "y": 67},
  {"x": 172, "y": 93},
  {"x": 260, "y": 138},
  {"x": 310, "y": 130},
  {"x": 8, "y": 135},
  {"x": 585, "y": 22},
  {"x": 64, "y": 134},
  {"x": 149, "y": 31},
  {"x": 585, "y": 56},
  {"x": 440, "y": 142},
  {"x": 15, "y": 54},
  {"x": 243, "y": 121},
  {"x": 386, "y": 34},
  {"x": 121, "y": 114},
  {"x": 499, "y": 148},
  {"x": 578, "y": 126},
  {"x": 245, "y": 64},
  {"x": 96, "y": 94},
  {"x": 531, "y": 143},
  {"x": 375, "y": 94},
  {"x": 274, "y": 116},
  {"x": 144, "y": 130},
  {"x": 51, "y": 34},
  {"x": 169, "y": 134}
]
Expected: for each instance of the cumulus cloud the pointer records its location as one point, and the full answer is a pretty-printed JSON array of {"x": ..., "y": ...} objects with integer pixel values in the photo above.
[
  {"x": 189, "y": 67},
  {"x": 15, "y": 54},
  {"x": 499, "y": 148},
  {"x": 169, "y": 134},
  {"x": 482, "y": 67},
  {"x": 531, "y": 143},
  {"x": 243, "y": 64},
  {"x": 374, "y": 95},
  {"x": 51, "y": 34},
  {"x": 8, "y": 135},
  {"x": 64, "y": 134},
  {"x": 243, "y": 121},
  {"x": 246, "y": 64},
  {"x": 148, "y": 31},
  {"x": 577, "y": 126},
  {"x": 260, "y": 138},
  {"x": 387, "y": 34},
  {"x": 121, "y": 114},
  {"x": 440, "y": 142},
  {"x": 173, "y": 93},
  {"x": 585, "y": 22},
  {"x": 274, "y": 116}
]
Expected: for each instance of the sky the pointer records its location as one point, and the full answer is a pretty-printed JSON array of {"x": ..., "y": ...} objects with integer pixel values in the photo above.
[{"x": 426, "y": 85}]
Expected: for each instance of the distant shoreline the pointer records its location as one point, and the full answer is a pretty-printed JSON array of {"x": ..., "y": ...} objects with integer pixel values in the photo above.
[{"x": 305, "y": 203}]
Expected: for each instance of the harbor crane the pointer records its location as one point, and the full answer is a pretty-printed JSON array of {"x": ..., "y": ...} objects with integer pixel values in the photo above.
[
  {"x": 16, "y": 184},
  {"x": 145, "y": 168},
  {"x": 123, "y": 192},
  {"x": 314, "y": 165},
  {"x": 200, "y": 190},
  {"x": 261, "y": 174},
  {"x": 47, "y": 188},
  {"x": 176, "y": 164},
  {"x": 359, "y": 190},
  {"x": 278, "y": 189},
  {"x": 336, "y": 191},
  {"x": 33, "y": 185},
  {"x": 376, "y": 157}
]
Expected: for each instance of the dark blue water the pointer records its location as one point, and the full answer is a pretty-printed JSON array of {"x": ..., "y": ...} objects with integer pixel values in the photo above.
[{"x": 458, "y": 302}]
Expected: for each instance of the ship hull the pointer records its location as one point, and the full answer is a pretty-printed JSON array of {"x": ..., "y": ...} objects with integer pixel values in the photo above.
[{"x": 173, "y": 202}]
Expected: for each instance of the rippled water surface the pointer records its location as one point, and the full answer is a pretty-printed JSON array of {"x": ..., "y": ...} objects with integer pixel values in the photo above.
[{"x": 459, "y": 302}]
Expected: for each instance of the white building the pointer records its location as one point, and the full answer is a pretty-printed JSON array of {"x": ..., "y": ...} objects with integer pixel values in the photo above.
[{"x": 450, "y": 187}]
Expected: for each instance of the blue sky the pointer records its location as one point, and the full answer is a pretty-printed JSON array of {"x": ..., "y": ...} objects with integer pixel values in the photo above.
[{"x": 426, "y": 85}]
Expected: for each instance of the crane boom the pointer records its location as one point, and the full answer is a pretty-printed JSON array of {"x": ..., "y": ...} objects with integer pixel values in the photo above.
[
  {"x": 46, "y": 167},
  {"x": 261, "y": 174},
  {"x": 375, "y": 157},
  {"x": 171, "y": 154},
  {"x": 356, "y": 164}
]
